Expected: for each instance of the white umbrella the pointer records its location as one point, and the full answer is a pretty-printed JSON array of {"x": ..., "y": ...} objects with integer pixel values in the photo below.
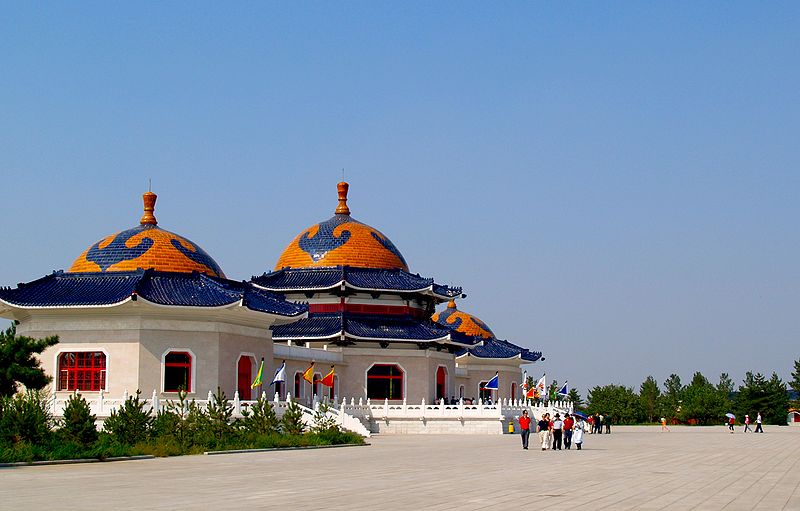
[{"x": 730, "y": 416}]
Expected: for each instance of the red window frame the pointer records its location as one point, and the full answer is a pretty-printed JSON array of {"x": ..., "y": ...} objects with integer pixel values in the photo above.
[
  {"x": 392, "y": 377},
  {"x": 179, "y": 365},
  {"x": 82, "y": 370}
]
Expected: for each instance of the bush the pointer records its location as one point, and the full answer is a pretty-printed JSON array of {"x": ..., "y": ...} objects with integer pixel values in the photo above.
[
  {"x": 25, "y": 418},
  {"x": 220, "y": 417},
  {"x": 131, "y": 424},
  {"x": 260, "y": 419},
  {"x": 78, "y": 424},
  {"x": 322, "y": 421},
  {"x": 292, "y": 420}
]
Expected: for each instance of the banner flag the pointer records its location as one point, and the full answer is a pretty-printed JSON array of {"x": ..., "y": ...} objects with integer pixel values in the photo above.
[
  {"x": 309, "y": 374},
  {"x": 259, "y": 376},
  {"x": 280, "y": 374},
  {"x": 563, "y": 391},
  {"x": 492, "y": 384},
  {"x": 328, "y": 379}
]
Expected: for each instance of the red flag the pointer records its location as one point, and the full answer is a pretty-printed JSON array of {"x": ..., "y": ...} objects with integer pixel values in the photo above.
[
  {"x": 531, "y": 394},
  {"x": 328, "y": 379},
  {"x": 309, "y": 374}
]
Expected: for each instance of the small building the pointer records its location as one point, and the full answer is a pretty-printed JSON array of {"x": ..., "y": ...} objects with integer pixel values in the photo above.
[{"x": 793, "y": 418}]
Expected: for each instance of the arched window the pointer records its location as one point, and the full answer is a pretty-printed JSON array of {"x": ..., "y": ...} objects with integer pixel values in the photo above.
[
  {"x": 332, "y": 389},
  {"x": 298, "y": 385},
  {"x": 385, "y": 381},
  {"x": 485, "y": 394},
  {"x": 280, "y": 389},
  {"x": 177, "y": 371},
  {"x": 82, "y": 370},
  {"x": 513, "y": 390},
  {"x": 441, "y": 383},
  {"x": 460, "y": 391}
]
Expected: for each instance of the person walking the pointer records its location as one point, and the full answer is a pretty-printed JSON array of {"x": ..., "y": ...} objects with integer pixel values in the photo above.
[
  {"x": 558, "y": 428},
  {"x": 544, "y": 430},
  {"x": 569, "y": 423},
  {"x": 607, "y": 423},
  {"x": 525, "y": 427},
  {"x": 747, "y": 424},
  {"x": 577, "y": 435},
  {"x": 600, "y": 421},
  {"x": 590, "y": 421},
  {"x": 664, "y": 424},
  {"x": 758, "y": 424},
  {"x": 731, "y": 421}
]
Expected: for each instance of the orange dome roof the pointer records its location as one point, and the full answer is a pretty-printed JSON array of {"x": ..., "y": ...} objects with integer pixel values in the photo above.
[
  {"x": 341, "y": 241},
  {"x": 148, "y": 247},
  {"x": 462, "y": 322}
]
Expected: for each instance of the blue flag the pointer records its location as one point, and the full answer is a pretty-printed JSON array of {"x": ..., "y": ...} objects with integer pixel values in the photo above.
[
  {"x": 492, "y": 384},
  {"x": 280, "y": 374},
  {"x": 563, "y": 391}
]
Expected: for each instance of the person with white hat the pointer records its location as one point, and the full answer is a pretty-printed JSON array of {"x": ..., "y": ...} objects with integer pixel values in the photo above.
[{"x": 747, "y": 424}]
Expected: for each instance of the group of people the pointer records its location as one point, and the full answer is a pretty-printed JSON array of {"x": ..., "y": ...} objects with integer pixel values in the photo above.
[
  {"x": 732, "y": 420},
  {"x": 597, "y": 422},
  {"x": 554, "y": 432}
]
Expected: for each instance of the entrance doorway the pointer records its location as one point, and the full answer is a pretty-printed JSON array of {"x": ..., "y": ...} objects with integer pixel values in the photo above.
[
  {"x": 245, "y": 377},
  {"x": 441, "y": 383}
]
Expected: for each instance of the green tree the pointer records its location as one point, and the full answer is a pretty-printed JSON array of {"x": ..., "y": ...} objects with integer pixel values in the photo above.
[
  {"x": 130, "y": 424},
  {"x": 618, "y": 401},
  {"x": 25, "y": 417},
  {"x": 78, "y": 424},
  {"x": 725, "y": 388},
  {"x": 672, "y": 397},
  {"x": 220, "y": 415},
  {"x": 702, "y": 402},
  {"x": 795, "y": 383},
  {"x": 759, "y": 395},
  {"x": 575, "y": 398},
  {"x": 292, "y": 420},
  {"x": 323, "y": 423},
  {"x": 18, "y": 363},
  {"x": 260, "y": 419},
  {"x": 649, "y": 394}
]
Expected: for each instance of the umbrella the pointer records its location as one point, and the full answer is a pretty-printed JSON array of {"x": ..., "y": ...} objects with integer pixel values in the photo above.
[
  {"x": 581, "y": 415},
  {"x": 730, "y": 416}
]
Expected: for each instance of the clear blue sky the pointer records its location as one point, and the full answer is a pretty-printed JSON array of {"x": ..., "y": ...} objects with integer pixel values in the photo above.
[{"x": 615, "y": 184}]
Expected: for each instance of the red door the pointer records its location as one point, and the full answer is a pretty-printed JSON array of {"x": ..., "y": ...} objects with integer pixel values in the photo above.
[
  {"x": 441, "y": 386},
  {"x": 245, "y": 377}
]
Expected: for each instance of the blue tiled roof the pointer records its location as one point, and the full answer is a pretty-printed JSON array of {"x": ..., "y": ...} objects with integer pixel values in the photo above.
[
  {"x": 496, "y": 348},
  {"x": 164, "y": 288},
  {"x": 367, "y": 326},
  {"x": 307, "y": 279}
]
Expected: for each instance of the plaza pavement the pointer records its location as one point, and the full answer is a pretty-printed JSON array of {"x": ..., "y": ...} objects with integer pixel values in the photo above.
[{"x": 633, "y": 468}]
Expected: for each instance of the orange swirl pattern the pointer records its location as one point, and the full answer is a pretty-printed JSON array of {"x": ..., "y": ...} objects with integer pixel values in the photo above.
[
  {"x": 146, "y": 247},
  {"x": 462, "y": 322},
  {"x": 341, "y": 241}
]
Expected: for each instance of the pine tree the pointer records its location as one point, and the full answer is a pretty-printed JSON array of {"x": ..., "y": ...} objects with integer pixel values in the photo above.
[
  {"x": 672, "y": 397},
  {"x": 260, "y": 419},
  {"x": 18, "y": 365},
  {"x": 323, "y": 422},
  {"x": 292, "y": 420},
  {"x": 220, "y": 415},
  {"x": 759, "y": 395},
  {"x": 130, "y": 424},
  {"x": 795, "y": 384},
  {"x": 649, "y": 394},
  {"x": 575, "y": 398},
  {"x": 78, "y": 424}
]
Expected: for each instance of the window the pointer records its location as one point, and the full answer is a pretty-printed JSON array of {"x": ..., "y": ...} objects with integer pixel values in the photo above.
[
  {"x": 177, "y": 371},
  {"x": 298, "y": 385},
  {"x": 513, "y": 390},
  {"x": 280, "y": 389},
  {"x": 385, "y": 381},
  {"x": 82, "y": 370},
  {"x": 332, "y": 388},
  {"x": 460, "y": 391}
]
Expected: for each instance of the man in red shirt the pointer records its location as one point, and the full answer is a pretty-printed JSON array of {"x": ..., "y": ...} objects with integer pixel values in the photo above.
[
  {"x": 569, "y": 422},
  {"x": 525, "y": 426}
]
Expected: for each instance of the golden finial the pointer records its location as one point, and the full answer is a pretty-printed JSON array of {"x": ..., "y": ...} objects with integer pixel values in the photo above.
[
  {"x": 451, "y": 304},
  {"x": 149, "y": 218},
  {"x": 342, "y": 208}
]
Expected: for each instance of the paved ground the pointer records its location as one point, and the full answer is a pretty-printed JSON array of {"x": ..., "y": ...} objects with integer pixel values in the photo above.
[{"x": 633, "y": 468}]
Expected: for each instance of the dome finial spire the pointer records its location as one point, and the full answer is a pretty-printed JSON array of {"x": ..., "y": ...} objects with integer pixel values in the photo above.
[
  {"x": 148, "y": 218},
  {"x": 342, "y": 208},
  {"x": 451, "y": 304}
]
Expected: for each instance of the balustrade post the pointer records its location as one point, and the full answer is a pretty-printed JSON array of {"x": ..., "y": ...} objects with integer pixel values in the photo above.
[
  {"x": 386, "y": 407},
  {"x": 210, "y": 397},
  {"x": 422, "y": 410},
  {"x": 100, "y": 397},
  {"x": 277, "y": 396},
  {"x": 405, "y": 407},
  {"x": 237, "y": 405},
  {"x": 441, "y": 406},
  {"x": 154, "y": 401},
  {"x": 125, "y": 395},
  {"x": 288, "y": 397}
]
